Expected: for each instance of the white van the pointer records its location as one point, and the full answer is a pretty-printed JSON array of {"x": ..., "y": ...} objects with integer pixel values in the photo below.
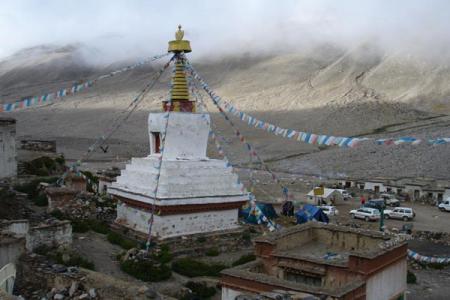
[{"x": 445, "y": 205}]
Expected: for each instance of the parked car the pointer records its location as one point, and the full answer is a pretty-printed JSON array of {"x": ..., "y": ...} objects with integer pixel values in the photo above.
[
  {"x": 376, "y": 203},
  {"x": 445, "y": 205},
  {"x": 346, "y": 195},
  {"x": 330, "y": 210},
  {"x": 403, "y": 213},
  {"x": 390, "y": 200},
  {"x": 365, "y": 213}
]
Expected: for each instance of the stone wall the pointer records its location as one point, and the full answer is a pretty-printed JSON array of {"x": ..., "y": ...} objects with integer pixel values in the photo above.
[
  {"x": 341, "y": 239},
  {"x": 50, "y": 235},
  {"x": 55, "y": 234},
  {"x": 10, "y": 248},
  {"x": 8, "y": 159},
  {"x": 37, "y": 145}
]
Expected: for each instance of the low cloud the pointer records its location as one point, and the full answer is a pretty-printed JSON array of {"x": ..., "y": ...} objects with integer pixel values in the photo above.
[{"x": 117, "y": 30}]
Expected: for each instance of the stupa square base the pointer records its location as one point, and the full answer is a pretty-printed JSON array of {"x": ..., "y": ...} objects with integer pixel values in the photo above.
[{"x": 175, "y": 225}]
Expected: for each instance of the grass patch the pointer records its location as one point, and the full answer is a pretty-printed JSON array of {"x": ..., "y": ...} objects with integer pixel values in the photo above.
[
  {"x": 244, "y": 259},
  {"x": 212, "y": 252},
  {"x": 99, "y": 226},
  {"x": 146, "y": 270},
  {"x": 83, "y": 226},
  {"x": 73, "y": 259},
  {"x": 199, "y": 290},
  {"x": 193, "y": 268},
  {"x": 117, "y": 239}
]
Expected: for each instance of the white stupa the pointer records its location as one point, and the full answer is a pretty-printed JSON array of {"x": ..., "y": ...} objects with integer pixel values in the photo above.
[{"x": 195, "y": 194}]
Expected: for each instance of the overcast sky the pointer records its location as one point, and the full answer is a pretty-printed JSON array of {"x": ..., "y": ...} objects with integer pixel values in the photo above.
[{"x": 138, "y": 28}]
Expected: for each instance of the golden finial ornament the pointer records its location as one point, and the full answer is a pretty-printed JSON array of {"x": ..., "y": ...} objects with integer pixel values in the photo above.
[
  {"x": 179, "y": 34},
  {"x": 179, "y": 45},
  {"x": 179, "y": 95}
]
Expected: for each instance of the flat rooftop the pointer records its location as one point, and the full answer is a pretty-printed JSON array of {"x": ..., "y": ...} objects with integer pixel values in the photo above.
[{"x": 328, "y": 243}]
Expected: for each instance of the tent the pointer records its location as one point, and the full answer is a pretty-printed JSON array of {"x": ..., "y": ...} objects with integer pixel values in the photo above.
[
  {"x": 310, "y": 212},
  {"x": 258, "y": 213}
]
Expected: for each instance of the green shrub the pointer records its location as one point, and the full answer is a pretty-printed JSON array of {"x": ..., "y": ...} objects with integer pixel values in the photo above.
[
  {"x": 75, "y": 260},
  {"x": 56, "y": 213},
  {"x": 7, "y": 196},
  {"x": 436, "y": 266},
  {"x": 244, "y": 259},
  {"x": 42, "y": 250},
  {"x": 164, "y": 256},
  {"x": 30, "y": 188},
  {"x": 212, "y": 252},
  {"x": 115, "y": 238},
  {"x": 42, "y": 166},
  {"x": 99, "y": 226},
  {"x": 80, "y": 226},
  {"x": 60, "y": 160},
  {"x": 192, "y": 268},
  {"x": 252, "y": 229},
  {"x": 246, "y": 236},
  {"x": 411, "y": 278},
  {"x": 200, "y": 290},
  {"x": 92, "y": 180},
  {"x": 40, "y": 200},
  {"x": 146, "y": 270},
  {"x": 201, "y": 239}
]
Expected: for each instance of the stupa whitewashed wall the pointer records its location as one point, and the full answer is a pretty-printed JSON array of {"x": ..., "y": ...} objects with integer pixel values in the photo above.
[
  {"x": 8, "y": 160},
  {"x": 195, "y": 194}
]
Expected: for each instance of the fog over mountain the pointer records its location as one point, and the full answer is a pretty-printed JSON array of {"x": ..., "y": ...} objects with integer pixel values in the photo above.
[
  {"x": 366, "y": 68},
  {"x": 118, "y": 30}
]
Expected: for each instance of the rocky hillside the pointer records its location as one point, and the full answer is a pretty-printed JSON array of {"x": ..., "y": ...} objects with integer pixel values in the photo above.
[{"x": 361, "y": 91}]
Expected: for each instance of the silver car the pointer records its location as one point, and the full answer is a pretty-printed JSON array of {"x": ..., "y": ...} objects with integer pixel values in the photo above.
[
  {"x": 402, "y": 213},
  {"x": 365, "y": 213}
]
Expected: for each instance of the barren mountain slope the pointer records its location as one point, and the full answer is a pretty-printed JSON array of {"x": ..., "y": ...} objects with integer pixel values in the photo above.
[{"x": 325, "y": 90}]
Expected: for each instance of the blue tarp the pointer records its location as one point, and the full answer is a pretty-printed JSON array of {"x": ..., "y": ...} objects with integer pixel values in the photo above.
[
  {"x": 310, "y": 212},
  {"x": 256, "y": 216}
]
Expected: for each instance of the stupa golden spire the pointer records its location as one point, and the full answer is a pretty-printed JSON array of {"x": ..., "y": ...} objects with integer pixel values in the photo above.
[{"x": 179, "y": 97}]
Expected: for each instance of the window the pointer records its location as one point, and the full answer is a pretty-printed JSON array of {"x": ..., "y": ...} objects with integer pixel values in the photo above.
[
  {"x": 156, "y": 138},
  {"x": 298, "y": 276}
]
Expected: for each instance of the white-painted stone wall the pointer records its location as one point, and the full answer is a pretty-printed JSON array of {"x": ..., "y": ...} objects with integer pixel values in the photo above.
[
  {"x": 178, "y": 225},
  {"x": 178, "y": 179},
  {"x": 230, "y": 294},
  {"x": 11, "y": 249},
  {"x": 8, "y": 160},
  {"x": 389, "y": 283},
  {"x": 370, "y": 186},
  {"x": 186, "y": 135},
  {"x": 50, "y": 235}
]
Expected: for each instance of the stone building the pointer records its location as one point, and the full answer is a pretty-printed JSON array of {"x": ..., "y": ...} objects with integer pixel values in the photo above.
[
  {"x": 194, "y": 193},
  {"x": 328, "y": 261},
  {"x": 8, "y": 159},
  {"x": 106, "y": 178}
]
